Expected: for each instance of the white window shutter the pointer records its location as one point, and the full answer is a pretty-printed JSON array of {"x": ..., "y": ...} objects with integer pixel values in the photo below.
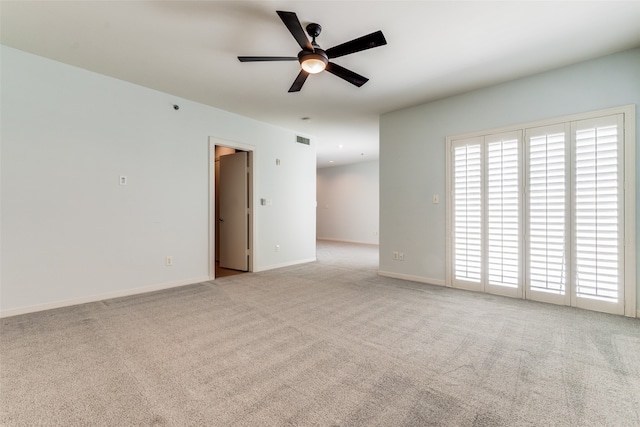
[
  {"x": 503, "y": 211},
  {"x": 467, "y": 206},
  {"x": 539, "y": 212},
  {"x": 547, "y": 210},
  {"x": 598, "y": 209}
]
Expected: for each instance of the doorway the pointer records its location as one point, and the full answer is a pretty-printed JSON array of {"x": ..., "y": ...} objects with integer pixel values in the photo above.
[{"x": 230, "y": 208}]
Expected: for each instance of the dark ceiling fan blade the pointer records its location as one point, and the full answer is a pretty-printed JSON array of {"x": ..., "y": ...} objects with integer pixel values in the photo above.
[
  {"x": 356, "y": 45},
  {"x": 290, "y": 19},
  {"x": 266, "y": 58},
  {"x": 299, "y": 81},
  {"x": 348, "y": 75}
]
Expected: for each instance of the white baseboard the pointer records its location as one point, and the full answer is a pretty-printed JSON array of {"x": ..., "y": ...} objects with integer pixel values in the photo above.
[
  {"x": 331, "y": 239},
  {"x": 284, "y": 264},
  {"x": 99, "y": 297},
  {"x": 427, "y": 280}
]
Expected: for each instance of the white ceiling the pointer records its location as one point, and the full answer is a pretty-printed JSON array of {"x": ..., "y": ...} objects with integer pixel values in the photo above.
[{"x": 435, "y": 49}]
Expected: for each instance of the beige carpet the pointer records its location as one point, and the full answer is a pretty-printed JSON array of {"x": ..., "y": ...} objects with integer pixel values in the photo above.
[{"x": 328, "y": 343}]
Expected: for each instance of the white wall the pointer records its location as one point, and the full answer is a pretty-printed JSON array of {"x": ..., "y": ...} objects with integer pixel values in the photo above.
[
  {"x": 412, "y": 148},
  {"x": 348, "y": 202},
  {"x": 71, "y": 233}
]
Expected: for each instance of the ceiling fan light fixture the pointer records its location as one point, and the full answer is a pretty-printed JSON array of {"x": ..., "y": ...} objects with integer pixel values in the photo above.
[
  {"x": 313, "y": 66},
  {"x": 313, "y": 59},
  {"x": 313, "y": 62}
]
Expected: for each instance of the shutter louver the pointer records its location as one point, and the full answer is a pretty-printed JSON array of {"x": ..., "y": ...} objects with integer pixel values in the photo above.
[
  {"x": 467, "y": 212},
  {"x": 547, "y": 213},
  {"x": 503, "y": 213},
  {"x": 597, "y": 212}
]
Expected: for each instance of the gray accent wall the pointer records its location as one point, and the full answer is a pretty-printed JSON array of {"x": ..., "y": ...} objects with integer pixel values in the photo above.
[{"x": 412, "y": 148}]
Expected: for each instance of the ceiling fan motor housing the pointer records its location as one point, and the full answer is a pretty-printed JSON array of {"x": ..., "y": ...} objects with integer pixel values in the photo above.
[
  {"x": 317, "y": 55},
  {"x": 314, "y": 30}
]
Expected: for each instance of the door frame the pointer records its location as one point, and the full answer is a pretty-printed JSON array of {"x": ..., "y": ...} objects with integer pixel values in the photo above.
[{"x": 251, "y": 150}]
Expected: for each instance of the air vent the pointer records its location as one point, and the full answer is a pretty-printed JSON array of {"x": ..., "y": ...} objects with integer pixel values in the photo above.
[{"x": 303, "y": 140}]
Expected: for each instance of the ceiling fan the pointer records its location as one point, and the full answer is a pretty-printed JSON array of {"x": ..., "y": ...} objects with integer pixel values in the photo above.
[{"x": 314, "y": 59}]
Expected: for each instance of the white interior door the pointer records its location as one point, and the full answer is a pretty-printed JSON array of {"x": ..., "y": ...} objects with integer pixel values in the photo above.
[{"x": 234, "y": 212}]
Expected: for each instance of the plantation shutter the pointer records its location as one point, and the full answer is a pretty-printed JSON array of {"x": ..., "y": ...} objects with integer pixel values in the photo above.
[
  {"x": 503, "y": 210},
  {"x": 467, "y": 206},
  {"x": 598, "y": 209},
  {"x": 544, "y": 206},
  {"x": 547, "y": 181}
]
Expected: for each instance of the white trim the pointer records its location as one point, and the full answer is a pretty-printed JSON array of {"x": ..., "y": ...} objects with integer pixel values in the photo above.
[
  {"x": 213, "y": 141},
  {"x": 284, "y": 264},
  {"x": 630, "y": 214},
  {"x": 347, "y": 241},
  {"x": 437, "y": 282},
  {"x": 448, "y": 223},
  {"x": 100, "y": 297}
]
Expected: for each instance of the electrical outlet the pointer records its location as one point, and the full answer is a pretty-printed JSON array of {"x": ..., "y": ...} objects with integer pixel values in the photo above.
[
  {"x": 277, "y": 248},
  {"x": 168, "y": 261},
  {"x": 435, "y": 198},
  {"x": 395, "y": 256}
]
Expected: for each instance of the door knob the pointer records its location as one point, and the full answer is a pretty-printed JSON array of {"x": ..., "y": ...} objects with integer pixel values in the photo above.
[{"x": 221, "y": 219}]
